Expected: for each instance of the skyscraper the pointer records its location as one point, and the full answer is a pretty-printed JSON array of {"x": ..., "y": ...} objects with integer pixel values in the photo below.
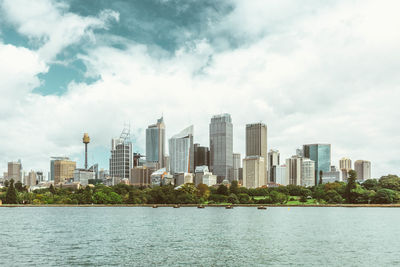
[
  {"x": 363, "y": 169},
  {"x": 181, "y": 151},
  {"x": 273, "y": 161},
  {"x": 254, "y": 172},
  {"x": 121, "y": 160},
  {"x": 307, "y": 172},
  {"x": 15, "y": 171},
  {"x": 236, "y": 166},
  {"x": 63, "y": 170},
  {"x": 321, "y": 154},
  {"x": 201, "y": 156},
  {"x": 256, "y": 143},
  {"x": 155, "y": 144},
  {"x": 345, "y": 167},
  {"x": 293, "y": 170},
  {"x": 221, "y": 147}
]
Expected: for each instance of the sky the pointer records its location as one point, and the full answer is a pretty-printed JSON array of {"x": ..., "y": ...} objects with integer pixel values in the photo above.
[{"x": 313, "y": 71}]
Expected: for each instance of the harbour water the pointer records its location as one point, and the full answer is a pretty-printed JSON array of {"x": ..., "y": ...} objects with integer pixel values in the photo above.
[{"x": 214, "y": 236}]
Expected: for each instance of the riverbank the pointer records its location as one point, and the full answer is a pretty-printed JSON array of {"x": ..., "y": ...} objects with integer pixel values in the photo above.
[{"x": 206, "y": 205}]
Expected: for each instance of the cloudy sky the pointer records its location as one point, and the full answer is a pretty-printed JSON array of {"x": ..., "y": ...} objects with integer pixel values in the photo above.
[{"x": 313, "y": 71}]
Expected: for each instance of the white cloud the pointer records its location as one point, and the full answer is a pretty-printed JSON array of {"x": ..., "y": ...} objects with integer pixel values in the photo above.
[{"x": 313, "y": 73}]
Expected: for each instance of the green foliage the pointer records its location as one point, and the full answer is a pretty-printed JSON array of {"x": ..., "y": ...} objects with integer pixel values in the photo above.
[
  {"x": 278, "y": 197},
  {"x": 333, "y": 197},
  {"x": 234, "y": 188},
  {"x": 385, "y": 196},
  {"x": 11, "y": 196},
  {"x": 390, "y": 182},
  {"x": 351, "y": 185},
  {"x": 222, "y": 190},
  {"x": 233, "y": 199},
  {"x": 52, "y": 189}
]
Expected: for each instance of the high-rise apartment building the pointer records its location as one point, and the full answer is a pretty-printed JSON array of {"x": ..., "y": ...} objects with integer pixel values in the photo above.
[
  {"x": 141, "y": 176},
  {"x": 273, "y": 161},
  {"x": 201, "y": 156},
  {"x": 307, "y": 172},
  {"x": 280, "y": 178},
  {"x": 293, "y": 170},
  {"x": 181, "y": 152},
  {"x": 363, "y": 169},
  {"x": 121, "y": 160},
  {"x": 63, "y": 170},
  {"x": 256, "y": 143},
  {"x": 254, "y": 172},
  {"x": 321, "y": 154},
  {"x": 155, "y": 144},
  {"x": 15, "y": 171},
  {"x": 345, "y": 167},
  {"x": 236, "y": 166},
  {"x": 221, "y": 147},
  {"x": 31, "y": 180}
]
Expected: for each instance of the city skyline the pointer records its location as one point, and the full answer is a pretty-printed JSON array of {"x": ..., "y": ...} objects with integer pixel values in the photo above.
[{"x": 90, "y": 68}]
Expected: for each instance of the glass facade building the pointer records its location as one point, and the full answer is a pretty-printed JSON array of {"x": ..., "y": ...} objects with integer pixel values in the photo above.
[
  {"x": 181, "y": 152},
  {"x": 321, "y": 155},
  {"x": 155, "y": 144}
]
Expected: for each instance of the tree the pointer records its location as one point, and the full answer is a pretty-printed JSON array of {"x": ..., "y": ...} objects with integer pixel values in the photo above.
[
  {"x": 204, "y": 191},
  {"x": 87, "y": 195},
  {"x": 370, "y": 184},
  {"x": 222, "y": 190},
  {"x": 18, "y": 186},
  {"x": 11, "y": 196},
  {"x": 384, "y": 196},
  {"x": 233, "y": 199},
  {"x": 333, "y": 197},
  {"x": 6, "y": 183},
  {"x": 52, "y": 189},
  {"x": 277, "y": 197},
  {"x": 351, "y": 184},
  {"x": 390, "y": 182},
  {"x": 320, "y": 176},
  {"x": 234, "y": 188}
]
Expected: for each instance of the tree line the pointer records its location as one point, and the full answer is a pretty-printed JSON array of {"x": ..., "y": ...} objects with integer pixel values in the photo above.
[{"x": 385, "y": 190}]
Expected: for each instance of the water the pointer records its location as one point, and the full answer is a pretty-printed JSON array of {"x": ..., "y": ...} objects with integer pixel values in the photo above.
[{"x": 141, "y": 236}]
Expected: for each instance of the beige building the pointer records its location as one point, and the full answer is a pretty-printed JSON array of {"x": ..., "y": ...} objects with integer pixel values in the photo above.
[
  {"x": 293, "y": 170},
  {"x": 345, "y": 167},
  {"x": 141, "y": 176},
  {"x": 254, "y": 172},
  {"x": 363, "y": 169},
  {"x": 31, "y": 179},
  {"x": 15, "y": 171},
  {"x": 256, "y": 143},
  {"x": 63, "y": 170}
]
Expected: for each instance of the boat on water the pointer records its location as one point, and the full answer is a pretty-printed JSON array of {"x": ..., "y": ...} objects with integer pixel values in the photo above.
[
  {"x": 200, "y": 207},
  {"x": 176, "y": 206},
  {"x": 229, "y": 207},
  {"x": 155, "y": 206},
  {"x": 261, "y": 207}
]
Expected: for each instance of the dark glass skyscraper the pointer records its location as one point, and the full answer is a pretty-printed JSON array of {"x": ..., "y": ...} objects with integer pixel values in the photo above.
[
  {"x": 321, "y": 154},
  {"x": 155, "y": 144}
]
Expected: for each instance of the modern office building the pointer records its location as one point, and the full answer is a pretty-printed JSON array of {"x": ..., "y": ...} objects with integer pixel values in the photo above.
[
  {"x": 221, "y": 147},
  {"x": 363, "y": 169},
  {"x": 141, "y": 176},
  {"x": 155, "y": 144},
  {"x": 63, "y": 170},
  {"x": 321, "y": 155},
  {"x": 204, "y": 176},
  {"x": 345, "y": 167},
  {"x": 236, "y": 166},
  {"x": 201, "y": 156},
  {"x": 273, "y": 161},
  {"x": 254, "y": 172},
  {"x": 307, "y": 172},
  {"x": 31, "y": 179},
  {"x": 293, "y": 170},
  {"x": 121, "y": 160},
  {"x": 39, "y": 176},
  {"x": 15, "y": 171},
  {"x": 256, "y": 143},
  {"x": 83, "y": 176},
  {"x": 332, "y": 176},
  {"x": 181, "y": 151},
  {"x": 280, "y": 178}
]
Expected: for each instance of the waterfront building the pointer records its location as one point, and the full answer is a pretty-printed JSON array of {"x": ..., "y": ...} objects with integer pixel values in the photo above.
[
  {"x": 155, "y": 144},
  {"x": 254, "y": 172},
  {"x": 307, "y": 172},
  {"x": 293, "y": 170},
  {"x": 332, "y": 176},
  {"x": 204, "y": 176},
  {"x": 321, "y": 155},
  {"x": 236, "y": 166},
  {"x": 83, "y": 176},
  {"x": 280, "y": 178},
  {"x": 221, "y": 147},
  {"x": 15, "y": 171},
  {"x": 273, "y": 161},
  {"x": 161, "y": 177},
  {"x": 63, "y": 170},
  {"x": 31, "y": 179},
  {"x": 141, "y": 176},
  {"x": 181, "y": 151},
  {"x": 363, "y": 169},
  {"x": 201, "y": 156},
  {"x": 345, "y": 167},
  {"x": 121, "y": 161}
]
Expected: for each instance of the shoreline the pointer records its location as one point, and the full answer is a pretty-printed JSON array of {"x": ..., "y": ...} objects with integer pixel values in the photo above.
[{"x": 204, "y": 205}]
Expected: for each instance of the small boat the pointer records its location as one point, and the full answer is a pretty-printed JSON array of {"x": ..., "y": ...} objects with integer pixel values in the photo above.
[
  {"x": 200, "y": 207},
  {"x": 155, "y": 206},
  {"x": 261, "y": 208},
  {"x": 176, "y": 206},
  {"x": 229, "y": 207}
]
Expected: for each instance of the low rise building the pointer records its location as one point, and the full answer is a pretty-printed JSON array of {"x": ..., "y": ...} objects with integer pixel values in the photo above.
[{"x": 83, "y": 176}]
